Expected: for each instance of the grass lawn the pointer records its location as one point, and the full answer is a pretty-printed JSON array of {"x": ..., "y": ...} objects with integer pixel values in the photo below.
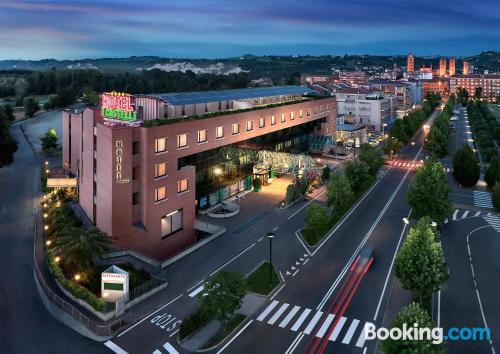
[
  {"x": 258, "y": 280},
  {"x": 224, "y": 332},
  {"x": 313, "y": 236}
]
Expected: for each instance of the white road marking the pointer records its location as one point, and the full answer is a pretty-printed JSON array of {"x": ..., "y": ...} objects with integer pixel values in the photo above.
[
  {"x": 338, "y": 328},
  {"x": 483, "y": 199},
  {"x": 493, "y": 221},
  {"x": 278, "y": 291},
  {"x": 350, "y": 331},
  {"x": 278, "y": 313},
  {"x": 168, "y": 347},
  {"x": 313, "y": 322},
  {"x": 302, "y": 242},
  {"x": 268, "y": 310},
  {"x": 439, "y": 309},
  {"x": 236, "y": 336},
  {"x": 465, "y": 214},
  {"x": 289, "y": 317},
  {"x": 305, "y": 205},
  {"x": 455, "y": 214},
  {"x": 115, "y": 348},
  {"x": 325, "y": 325},
  {"x": 197, "y": 291},
  {"x": 362, "y": 338},
  {"x": 232, "y": 259},
  {"x": 300, "y": 320},
  {"x": 477, "y": 213},
  {"x": 295, "y": 273},
  {"x": 157, "y": 352},
  {"x": 446, "y": 221}
]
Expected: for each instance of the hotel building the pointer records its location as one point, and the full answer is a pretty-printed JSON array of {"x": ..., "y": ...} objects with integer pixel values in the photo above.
[
  {"x": 145, "y": 164},
  {"x": 490, "y": 84}
]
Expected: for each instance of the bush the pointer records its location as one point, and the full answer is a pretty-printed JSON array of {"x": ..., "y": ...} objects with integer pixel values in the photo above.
[
  {"x": 492, "y": 174},
  {"x": 466, "y": 166},
  {"x": 316, "y": 216},
  {"x": 325, "y": 174},
  {"x": 193, "y": 322},
  {"x": 31, "y": 106}
]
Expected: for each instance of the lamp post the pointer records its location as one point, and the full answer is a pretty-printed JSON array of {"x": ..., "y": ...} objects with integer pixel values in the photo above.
[{"x": 270, "y": 236}]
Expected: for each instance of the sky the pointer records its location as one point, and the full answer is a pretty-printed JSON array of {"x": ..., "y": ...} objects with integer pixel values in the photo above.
[{"x": 226, "y": 28}]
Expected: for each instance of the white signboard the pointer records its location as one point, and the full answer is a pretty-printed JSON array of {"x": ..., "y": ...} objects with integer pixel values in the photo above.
[{"x": 114, "y": 284}]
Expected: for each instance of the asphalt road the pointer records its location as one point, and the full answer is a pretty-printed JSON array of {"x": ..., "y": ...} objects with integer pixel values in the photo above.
[{"x": 26, "y": 326}]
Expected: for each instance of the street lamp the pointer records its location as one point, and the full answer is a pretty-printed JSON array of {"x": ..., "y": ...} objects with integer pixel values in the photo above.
[
  {"x": 48, "y": 242},
  {"x": 270, "y": 236}
]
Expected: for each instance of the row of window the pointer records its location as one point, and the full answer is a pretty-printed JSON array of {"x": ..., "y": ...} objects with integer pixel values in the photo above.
[
  {"x": 161, "y": 192},
  {"x": 182, "y": 139}
]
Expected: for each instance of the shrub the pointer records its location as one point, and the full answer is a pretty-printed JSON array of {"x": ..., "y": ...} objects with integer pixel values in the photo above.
[
  {"x": 466, "y": 166},
  {"x": 325, "y": 174}
]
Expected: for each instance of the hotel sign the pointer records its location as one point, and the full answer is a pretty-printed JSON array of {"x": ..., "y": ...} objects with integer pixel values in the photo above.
[
  {"x": 119, "y": 160},
  {"x": 118, "y": 105}
]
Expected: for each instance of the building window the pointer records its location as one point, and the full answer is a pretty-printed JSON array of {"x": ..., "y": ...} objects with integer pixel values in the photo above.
[
  {"x": 283, "y": 118},
  {"x": 219, "y": 132},
  {"x": 135, "y": 147},
  {"x": 316, "y": 110},
  {"x": 291, "y": 116},
  {"x": 182, "y": 140},
  {"x": 273, "y": 120},
  {"x": 309, "y": 112},
  {"x": 202, "y": 136},
  {"x": 249, "y": 125},
  {"x": 235, "y": 127},
  {"x": 171, "y": 223},
  {"x": 262, "y": 122},
  {"x": 161, "y": 145},
  {"x": 301, "y": 114},
  {"x": 160, "y": 170},
  {"x": 160, "y": 194},
  {"x": 135, "y": 173},
  {"x": 135, "y": 198},
  {"x": 182, "y": 185}
]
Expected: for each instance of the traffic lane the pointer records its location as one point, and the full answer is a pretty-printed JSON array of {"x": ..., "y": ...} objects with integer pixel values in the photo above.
[
  {"x": 463, "y": 310},
  {"x": 485, "y": 248}
]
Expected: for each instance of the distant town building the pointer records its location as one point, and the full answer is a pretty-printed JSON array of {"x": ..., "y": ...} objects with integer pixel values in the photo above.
[
  {"x": 451, "y": 66},
  {"x": 402, "y": 90},
  {"x": 410, "y": 63},
  {"x": 442, "y": 66},
  {"x": 353, "y": 77},
  {"x": 436, "y": 85},
  {"x": 465, "y": 69},
  {"x": 490, "y": 84},
  {"x": 309, "y": 79}
]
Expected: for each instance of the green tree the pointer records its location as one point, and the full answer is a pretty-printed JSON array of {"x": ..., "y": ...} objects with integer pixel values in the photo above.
[
  {"x": 49, "y": 139},
  {"x": 408, "y": 316},
  {"x": 393, "y": 146},
  {"x": 325, "y": 174},
  {"x": 339, "y": 193},
  {"x": 492, "y": 174},
  {"x": 478, "y": 92},
  {"x": 223, "y": 294},
  {"x": 420, "y": 264},
  {"x": 89, "y": 96},
  {"x": 463, "y": 96},
  {"x": 495, "y": 196},
  {"x": 77, "y": 246},
  {"x": 316, "y": 217},
  {"x": 372, "y": 158},
  {"x": 31, "y": 106},
  {"x": 398, "y": 131},
  {"x": 436, "y": 142},
  {"x": 466, "y": 166},
  {"x": 7, "y": 112},
  {"x": 428, "y": 192},
  {"x": 7, "y": 145},
  {"x": 357, "y": 175}
]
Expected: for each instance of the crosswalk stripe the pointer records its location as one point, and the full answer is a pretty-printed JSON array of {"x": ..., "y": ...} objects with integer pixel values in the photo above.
[
  {"x": 362, "y": 338},
  {"x": 266, "y": 312},
  {"x": 477, "y": 213},
  {"x": 313, "y": 322},
  {"x": 455, "y": 215},
  {"x": 278, "y": 313},
  {"x": 446, "y": 221},
  {"x": 300, "y": 320},
  {"x": 157, "y": 352},
  {"x": 338, "y": 328},
  {"x": 289, "y": 317},
  {"x": 114, "y": 347},
  {"x": 197, "y": 291},
  {"x": 168, "y": 347},
  {"x": 325, "y": 325},
  {"x": 350, "y": 331},
  {"x": 465, "y": 214}
]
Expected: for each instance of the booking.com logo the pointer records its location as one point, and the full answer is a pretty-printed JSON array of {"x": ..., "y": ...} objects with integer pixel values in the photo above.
[{"x": 436, "y": 335}]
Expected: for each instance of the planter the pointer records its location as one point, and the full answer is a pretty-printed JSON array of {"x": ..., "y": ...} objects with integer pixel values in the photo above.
[{"x": 256, "y": 189}]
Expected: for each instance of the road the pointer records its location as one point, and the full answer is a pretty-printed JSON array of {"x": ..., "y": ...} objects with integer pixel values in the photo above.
[{"x": 26, "y": 326}]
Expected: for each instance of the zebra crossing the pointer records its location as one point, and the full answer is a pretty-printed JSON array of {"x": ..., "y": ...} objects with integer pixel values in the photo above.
[
  {"x": 295, "y": 318},
  {"x": 459, "y": 214},
  {"x": 494, "y": 221},
  {"x": 405, "y": 164},
  {"x": 482, "y": 200}
]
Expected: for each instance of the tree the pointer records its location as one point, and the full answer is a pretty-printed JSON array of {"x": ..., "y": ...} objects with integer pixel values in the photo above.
[
  {"x": 7, "y": 112},
  {"x": 49, "y": 139},
  {"x": 492, "y": 174},
  {"x": 411, "y": 314},
  {"x": 78, "y": 246},
  {"x": 89, "y": 96},
  {"x": 372, "y": 157},
  {"x": 428, "y": 192},
  {"x": 316, "y": 217},
  {"x": 223, "y": 294},
  {"x": 463, "y": 96},
  {"x": 30, "y": 106},
  {"x": 420, "y": 264},
  {"x": 357, "y": 175},
  {"x": 466, "y": 168},
  {"x": 436, "y": 142},
  {"x": 325, "y": 174},
  {"x": 339, "y": 193},
  {"x": 393, "y": 146},
  {"x": 495, "y": 196},
  {"x": 7, "y": 145},
  {"x": 398, "y": 131},
  {"x": 478, "y": 92}
]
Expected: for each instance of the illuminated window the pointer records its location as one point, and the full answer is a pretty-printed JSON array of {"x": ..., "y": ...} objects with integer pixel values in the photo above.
[
  {"x": 316, "y": 110},
  {"x": 282, "y": 117},
  {"x": 160, "y": 194},
  {"x": 182, "y": 140},
  {"x": 273, "y": 120},
  {"x": 202, "y": 136},
  {"x": 301, "y": 114},
  {"x": 235, "y": 128},
  {"x": 182, "y": 185},
  {"x": 160, "y": 170},
  {"x": 161, "y": 145},
  {"x": 292, "y": 116},
  {"x": 219, "y": 132},
  {"x": 249, "y": 125},
  {"x": 171, "y": 223},
  {"x": 262, "y": 122},
  {"x": 309, "y": 112}
]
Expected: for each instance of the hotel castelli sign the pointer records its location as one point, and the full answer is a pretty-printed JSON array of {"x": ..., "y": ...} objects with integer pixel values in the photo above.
[
  {"x": 118, "y": 163},
  {"x": 119, "y": 106}
]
